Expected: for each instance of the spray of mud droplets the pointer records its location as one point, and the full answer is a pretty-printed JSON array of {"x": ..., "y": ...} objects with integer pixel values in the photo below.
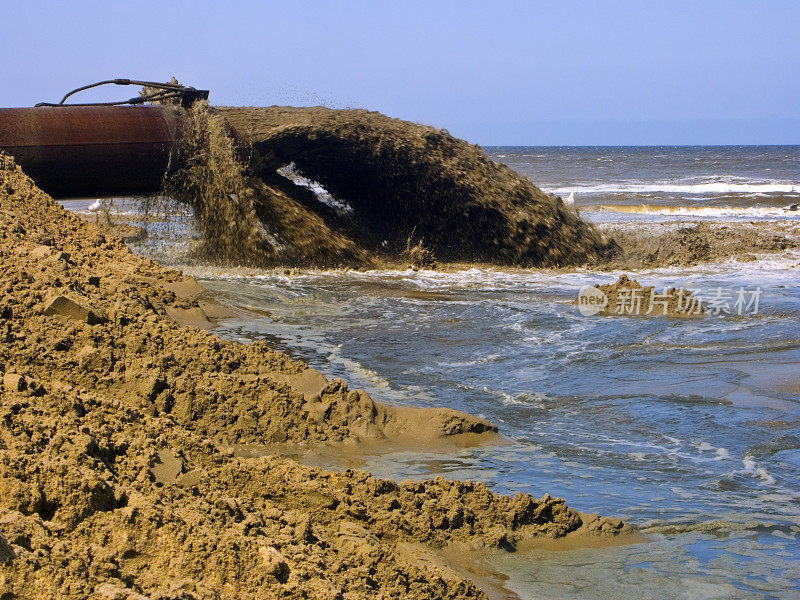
[{"x": 211, "y": 180}]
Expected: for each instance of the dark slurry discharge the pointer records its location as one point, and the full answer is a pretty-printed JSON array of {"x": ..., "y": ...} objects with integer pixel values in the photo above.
[
  {"x": 118, "y": 479},
  {"x": 244, "y": 219},
  {"x": 406, "y": 183},
  {"x": 408, "y": 187}
]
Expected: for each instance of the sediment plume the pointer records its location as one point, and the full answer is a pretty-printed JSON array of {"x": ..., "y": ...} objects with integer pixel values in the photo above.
[
  {"x": 305, "y": 236},
  {"x": 119, "y": 477},
  {"x": 407, "y": 182}
]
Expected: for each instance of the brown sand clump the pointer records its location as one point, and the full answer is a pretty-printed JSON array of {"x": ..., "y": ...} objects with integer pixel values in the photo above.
[
  {"x": 97, "y": 500},
  {"x": 647, "y": 246},
  {"x": 117, "y": 479},
  {"x": 627, "y": 297},
  {"x": 418, "y": 256},
  {"x": 403, "y": 179}
]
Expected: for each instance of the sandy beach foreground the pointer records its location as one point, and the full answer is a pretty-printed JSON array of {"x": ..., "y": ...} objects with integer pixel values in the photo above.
[{"x": 118, "y": 476}]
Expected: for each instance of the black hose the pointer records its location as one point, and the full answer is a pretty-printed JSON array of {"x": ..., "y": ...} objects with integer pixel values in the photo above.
[{"x": 186, "y": 93}]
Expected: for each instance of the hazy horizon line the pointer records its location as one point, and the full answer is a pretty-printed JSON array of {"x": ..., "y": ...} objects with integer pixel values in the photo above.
[{"x": 640, "y": 145}]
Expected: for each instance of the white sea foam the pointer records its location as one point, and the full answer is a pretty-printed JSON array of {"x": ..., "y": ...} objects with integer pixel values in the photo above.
[
  {"x": 708, "y": 187},
  {"x": 719, "y": 452},
  {"x": 531, "y": 399},
  {"x": 752, "y": 469},
  {"x": 358, "y": 369},
  {"x": 543, "y": 284},
  {"x": 748, "y": 212}
]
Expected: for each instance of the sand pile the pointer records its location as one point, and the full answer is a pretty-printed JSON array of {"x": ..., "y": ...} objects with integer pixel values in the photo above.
[
  {"x": 117, "y": 478},
  {"x": 643, "y": 246},
  {"x": 627, "y": 297},
  {"x": 408, "y": 183}
]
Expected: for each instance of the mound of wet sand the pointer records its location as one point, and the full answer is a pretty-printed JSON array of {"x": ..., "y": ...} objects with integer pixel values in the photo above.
[
  {"x": 118, "y": 478},
  {"x": 627, "y": 297},
  {"x": 408, "y": 183},
  {"x": 642, "y": 246},
  {"x": 416, "y": 195}
]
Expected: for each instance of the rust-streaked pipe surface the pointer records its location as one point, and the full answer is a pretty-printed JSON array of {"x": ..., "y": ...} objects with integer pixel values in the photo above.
[{"x": 93, "y": 150}]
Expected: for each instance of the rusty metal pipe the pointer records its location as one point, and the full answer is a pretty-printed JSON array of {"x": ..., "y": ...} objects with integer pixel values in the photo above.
[{"x": 93, "y": 150}]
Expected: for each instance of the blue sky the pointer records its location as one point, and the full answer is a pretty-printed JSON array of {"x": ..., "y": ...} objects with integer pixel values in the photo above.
[{"x": 493, "y": 72}]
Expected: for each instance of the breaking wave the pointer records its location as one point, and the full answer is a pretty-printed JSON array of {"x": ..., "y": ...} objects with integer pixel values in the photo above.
[{"x": 713, "y": 187}]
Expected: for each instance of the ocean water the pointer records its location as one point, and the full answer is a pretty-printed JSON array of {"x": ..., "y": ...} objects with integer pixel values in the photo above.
[
  {"x": 703, "y": 181},
  {"x": 689, "y": 429}
]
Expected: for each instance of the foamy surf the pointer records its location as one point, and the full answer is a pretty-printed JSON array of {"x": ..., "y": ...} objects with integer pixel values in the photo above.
[
  {"x": 717, "y": 187},
  {"x": 751, "y": 212}
]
